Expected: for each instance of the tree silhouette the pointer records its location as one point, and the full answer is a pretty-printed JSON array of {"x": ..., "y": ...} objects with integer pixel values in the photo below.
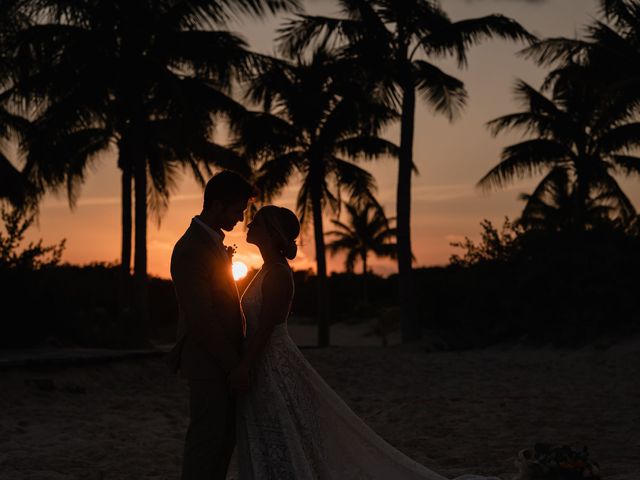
[
  {"x": 609, "y": 57},
  {"x": 147, "y": 77},
  {"x": 610, "y": 50},
  {"x": 317, "y": 118},
  {"x": 581, "y": 139},
  {"x": 555, "y": 206},
  {"x": 366, "y": 231},
  {"x": 13, "y": 128},
  {"x": 35, "y": 255},
  {"x": 392, "y": 41},
  {"x": 13, "y": 185}
]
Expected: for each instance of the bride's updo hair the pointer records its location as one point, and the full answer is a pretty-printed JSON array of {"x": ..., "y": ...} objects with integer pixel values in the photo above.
[{"x": 284, "y": 227}]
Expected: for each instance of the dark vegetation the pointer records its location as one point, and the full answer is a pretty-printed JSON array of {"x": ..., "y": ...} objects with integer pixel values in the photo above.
[
  {"x": 560, "y": 288},
  {"x": 532, "y": 287}
]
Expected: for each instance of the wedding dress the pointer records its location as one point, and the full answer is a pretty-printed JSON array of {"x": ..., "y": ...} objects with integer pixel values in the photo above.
[{"x": 293, "y": 426}]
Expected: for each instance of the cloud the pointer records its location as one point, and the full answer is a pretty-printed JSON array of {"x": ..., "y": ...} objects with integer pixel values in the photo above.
[
  {"x": 443, "y": 193},
  {"x": 453, "y": 192},
  {"x": 159, "y": 245},
  {"x": 82, "y": 202},
  {"x": 106, "y": 201}
]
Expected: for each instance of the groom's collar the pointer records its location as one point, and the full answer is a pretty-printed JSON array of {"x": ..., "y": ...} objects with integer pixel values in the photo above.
[{"x": 216, "y": 234}]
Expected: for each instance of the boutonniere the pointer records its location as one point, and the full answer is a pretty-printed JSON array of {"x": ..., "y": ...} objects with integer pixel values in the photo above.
[{"x": 231, "y": 251}]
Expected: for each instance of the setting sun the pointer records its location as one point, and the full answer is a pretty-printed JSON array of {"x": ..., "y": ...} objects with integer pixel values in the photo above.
[{"x": 240, "y": 270}]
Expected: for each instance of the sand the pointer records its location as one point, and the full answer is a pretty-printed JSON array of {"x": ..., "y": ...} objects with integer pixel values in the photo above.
[{"x": 467, "y": 412}]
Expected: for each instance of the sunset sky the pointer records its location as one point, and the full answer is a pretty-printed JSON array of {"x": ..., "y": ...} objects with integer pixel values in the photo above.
[{"x": 451, "y": 157}]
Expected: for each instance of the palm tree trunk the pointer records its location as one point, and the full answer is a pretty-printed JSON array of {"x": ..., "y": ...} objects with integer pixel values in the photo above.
[
  {"x": 365, "y": 295},
  {"x": 141, "y": 304},
  {"x": 127, "y": 220},
  {"x": 322, "y": 290},
  {"x": 408, "y": 308},
  {"x": 124, "y": 296}
]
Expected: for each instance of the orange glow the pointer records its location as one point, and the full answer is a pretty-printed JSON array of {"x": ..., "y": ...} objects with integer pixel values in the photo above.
[
  {"x": 240, "y": 270},
  {"x": 452, "y": 157}
]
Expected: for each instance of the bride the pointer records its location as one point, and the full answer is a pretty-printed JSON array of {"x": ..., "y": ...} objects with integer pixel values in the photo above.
[{"x": 291, "y": 424}]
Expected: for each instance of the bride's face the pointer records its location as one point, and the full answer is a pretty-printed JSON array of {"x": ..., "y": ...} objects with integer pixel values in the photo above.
[{"x": 257, "y": 232}]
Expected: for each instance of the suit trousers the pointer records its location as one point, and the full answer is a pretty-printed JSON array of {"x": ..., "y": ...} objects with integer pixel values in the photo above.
[{"x": 211, "y": 433}]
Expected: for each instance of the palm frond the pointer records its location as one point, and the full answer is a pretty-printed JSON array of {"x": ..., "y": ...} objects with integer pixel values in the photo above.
[
  {"x": 555, "y": 50},
  {"x": 623, "y": 204},
  {"x": 618, "y": 12},
  {"x": 54, "y": 159},
  {"x": 535, "y": 101},
  {"x": 609, "y": 43},
  {"x": 270, "y": 83},
  {"x": 307, "y": 31},
  {"x": 626, "y": 136},
  {"x": 303, "y": 202},
  {"x": 343, "y": 228},
  {"x": 525, "y": 159},
  {"x": 260, "y": 132},
  {"x": 208, "y": 154},
  {"x": 339, "y": 244},
  {"x": 162, "y": 175},
  {"x": 367, "y": 147},
  {"x": 527, "y": 121},
  {"x": 353, "y": 115},
  {"x": 459, "y": 36},
  {"x": 628, "y": 164},
  {"x": 371, "y": 14},
  {"x": 275, "y": 173},
  {"x": 204, "y": 13},
  {"x": 550, "y": 195},
  {"x": 446, "y": 94},
  {"x": 359, "y": 183},
  {"x": 216, "y": 55},
  {"x": 12, "y": 125}
]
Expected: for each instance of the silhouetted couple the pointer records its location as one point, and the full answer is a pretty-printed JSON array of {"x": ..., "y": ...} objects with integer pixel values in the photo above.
[{"x": 250, "y": 387}]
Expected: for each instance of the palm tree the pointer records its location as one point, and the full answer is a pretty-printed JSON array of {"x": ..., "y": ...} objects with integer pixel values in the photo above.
[
  {"x": 367, "y": 231},
  {"x": 13, "y": 128},
  {"x": 555, "y": 206},
  {"x": 610, "y": 49},
  {"x": 609, "y": 54},
  {"x": 316, "y": 119},
  {"x": 581, "y": 139},
  {"x": 392, "y": 40},
  {"x": 148, "y": 77}
]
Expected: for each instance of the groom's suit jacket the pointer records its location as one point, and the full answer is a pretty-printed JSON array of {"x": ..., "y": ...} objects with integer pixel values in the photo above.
[{"x": 211, "y": 324}]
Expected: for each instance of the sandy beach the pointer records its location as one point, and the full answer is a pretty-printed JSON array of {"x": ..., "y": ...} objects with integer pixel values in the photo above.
[{"x": 467, "y": 412}]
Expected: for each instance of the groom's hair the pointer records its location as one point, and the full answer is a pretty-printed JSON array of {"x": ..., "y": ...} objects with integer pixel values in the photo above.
[{"x": 227, "y": 187}]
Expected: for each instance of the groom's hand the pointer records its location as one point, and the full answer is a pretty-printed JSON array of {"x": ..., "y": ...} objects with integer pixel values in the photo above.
[{"x": 239, "y": 379}]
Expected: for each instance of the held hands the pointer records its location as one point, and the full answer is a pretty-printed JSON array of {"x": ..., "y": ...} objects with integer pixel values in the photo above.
[{"x": 239, "y": 379}]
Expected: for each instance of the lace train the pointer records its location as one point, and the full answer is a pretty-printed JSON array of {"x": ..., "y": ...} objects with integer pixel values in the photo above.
[{"x": 293, "y": 426}]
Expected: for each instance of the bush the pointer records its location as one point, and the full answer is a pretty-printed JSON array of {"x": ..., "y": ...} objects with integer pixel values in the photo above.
[
  {"x": 561, "y": 288},
  {"x": 26, "y": 304},
  {"x": 77, "y": 305},
  {"x": 536, "y": 287}
]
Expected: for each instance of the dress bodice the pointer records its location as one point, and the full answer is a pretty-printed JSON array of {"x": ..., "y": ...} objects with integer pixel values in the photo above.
[{"x": 252, "y": 302}]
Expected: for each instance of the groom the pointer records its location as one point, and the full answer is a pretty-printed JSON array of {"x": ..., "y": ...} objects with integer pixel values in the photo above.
[{"x": 210, "y": 326}]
